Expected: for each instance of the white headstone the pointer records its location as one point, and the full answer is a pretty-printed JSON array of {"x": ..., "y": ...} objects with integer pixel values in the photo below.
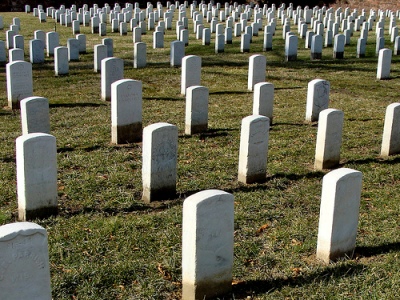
[
  {"x": 3, "y": 56},
  {"x": 220, "y": 43},
  {"x": 112, "y": 69},
  {"x": 158, "y": 39},
  {"x": 291, "y": 44},
  {"x": 18, "y": 41},
  {"x": 159, "y": 167},
  {"x": 384, "y": 62},
  {"x": 329, "y": 139},
  {"x": 177, "y": 53},
  {"x": 391, "y": 131},
  {"x": 253, "y": 151},
  {"x": 19, "y": 82},
  {"x": 35, "y": 115},
  {"x": 100, "y": 53},
  {"x": 263, "y": 99},
  {"x": 338, "y": 46},
  {"x": 110, "y": 46},
  {"x": 245, "y": 43},
  {"x": 52, "y": 41},
  {"x": 73, "y": 49},
  {"x": 317, "y": 98},
  {"x": 25, "y": 270},
  {"x": 207, "y": 245},
  {"x": 338, "y": 219},
  {"x": 36, "y": 51},
  {"x": 15, "y": 54},
  {"x": 196, "y": 113},
  {"x": 316, "y": 47},
  {"x": 61, "y": 66},
  {"x": 257, "y": 69},
  {"x": 191, "y": 72},
  {"x": 36, "y": 175},
  {"x": 206, "y": 36},
  {"x": 82, "y": 42},
  {"x": 139, "y": 55},
  {"x": 126, "y": 111}
]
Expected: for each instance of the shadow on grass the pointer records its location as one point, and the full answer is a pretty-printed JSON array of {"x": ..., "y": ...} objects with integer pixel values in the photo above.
[
  {"x": 8, "y": 159},
  {"x": 210, "y": 133},
  {"x": 269, "y": 183},
  {"x": 55, "y": 105},
  {"x": 255, "y": 287},
  {"x": 229, "y": 92},
  {"x": 164, "y": 98},
  {"x": 378, "y": 160},
  {"x": 368, "y": 251},
  {"x": 86, "y": 149},
  {"x": 106, "y": 211}
]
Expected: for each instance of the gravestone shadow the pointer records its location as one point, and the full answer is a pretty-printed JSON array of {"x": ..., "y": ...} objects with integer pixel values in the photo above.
[{"x": 257, "y": 287}]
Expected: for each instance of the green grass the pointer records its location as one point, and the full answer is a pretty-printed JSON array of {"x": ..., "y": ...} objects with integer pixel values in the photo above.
[{"x": 106, "y": 243}]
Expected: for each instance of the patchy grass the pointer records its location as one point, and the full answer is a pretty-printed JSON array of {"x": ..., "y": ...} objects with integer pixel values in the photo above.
[{"x": 107, "y": 244}]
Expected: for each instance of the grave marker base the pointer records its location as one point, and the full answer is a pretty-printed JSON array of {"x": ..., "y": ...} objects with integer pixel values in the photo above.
[{"x": 131, "y": 133}]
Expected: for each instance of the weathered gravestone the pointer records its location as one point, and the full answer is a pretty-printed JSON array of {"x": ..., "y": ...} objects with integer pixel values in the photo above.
[
  {"x": 196, "y": 112},
  {"x": 10, "y": 38},
  {"x": 245, "y": 43},
  {"x": 73, "y": 49},
  {"x": 391, "y": 131},
  {"x": 19, "y": 82},
  {"x": 15, "y": 54},
  {"x": 102, "y": 29},
  {"x": 126, "y": 111},
  {"x": 338, "y": 46},
  {"x": 207, "y": 245},
  {"x": 112, "y": 69},
  {"x": 3, "y": 56},
  {"x": 263, "y": 99},
  {"x": 18, "y": 41},
  {"x": 317, "y": 98},
  {"x": 36, "y": 51},
  {"x": 76, "y": 29},
  {"x": 35, "y": 115},
  {"x": 137, "y": 35},
  {"x": 158, "y": 39},
  {"x": 36, "y": 175},
  {"x": 95, "y": 23},
  {"x": 61, "y": 66},
  {"x": 110, "y": 46},
  {"x": 24, "y": 257},
  {"x": 52, "y": 41},
  {"x": 257, "y": 69},
  {"x": 139, "y": 55},
  {"x": 253, "y": 151},
  {"x": 338, "y": 219},
  {"x": 384, "y": 62},
  {"x": 159, "y": 168},
  {"x": 191, "y": 72},
  {"x": 316, "y": 47},
  {"x": 329, "y": 139},
  {"x": 206, "y": 36},
  {"x": 291, "y": 44},
  {"x": 361, "y": 47},
  {"x": 177, "y": 53},
  {"x": 219, "y": 43},
  {"x": 82, "y": 42},
  {"x": 100, "y": 53}
]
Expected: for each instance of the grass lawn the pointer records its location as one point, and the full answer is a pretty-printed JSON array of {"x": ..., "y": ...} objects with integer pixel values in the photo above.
[{"x": 106, "y": 243}]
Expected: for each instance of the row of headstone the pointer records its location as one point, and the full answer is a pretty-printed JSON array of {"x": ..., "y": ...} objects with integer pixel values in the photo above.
[
  {"x": 291, "y": 47},
  {"x": 207, "y": 238},
  {"x": 208, "y": 227}
]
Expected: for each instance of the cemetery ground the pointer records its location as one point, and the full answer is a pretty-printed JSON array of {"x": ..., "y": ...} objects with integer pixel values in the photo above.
[{"x": 106, "y": 243}]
